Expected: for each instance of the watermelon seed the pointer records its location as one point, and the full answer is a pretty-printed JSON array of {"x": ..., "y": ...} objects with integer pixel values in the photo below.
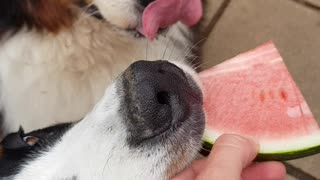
[
  {"x": 283, "y": 95},
  {"x": 262, "y": 96}
]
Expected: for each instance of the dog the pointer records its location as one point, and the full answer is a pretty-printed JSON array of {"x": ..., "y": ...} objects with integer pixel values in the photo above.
[
  {"x": 58, "y": 56},
  {"x": 148, "y": 125}
]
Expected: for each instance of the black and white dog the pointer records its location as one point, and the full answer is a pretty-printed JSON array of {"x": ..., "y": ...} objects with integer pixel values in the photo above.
[
  {"x": 58, "y": 56},
  {"x": 148, "y": 125}
]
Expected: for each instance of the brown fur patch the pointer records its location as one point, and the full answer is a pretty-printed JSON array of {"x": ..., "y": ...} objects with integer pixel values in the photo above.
[{"x": 51, "y": 15}]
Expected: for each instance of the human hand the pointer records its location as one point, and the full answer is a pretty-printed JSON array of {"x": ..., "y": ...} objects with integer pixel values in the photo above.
[{"x": 231, "y": 159}]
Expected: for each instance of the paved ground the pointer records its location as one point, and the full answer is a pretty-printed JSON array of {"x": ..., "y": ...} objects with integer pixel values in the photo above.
[{"x": 235, "y": 26}]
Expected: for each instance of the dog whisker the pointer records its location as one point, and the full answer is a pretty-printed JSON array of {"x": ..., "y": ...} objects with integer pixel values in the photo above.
[
  {"x": 173, "y": 46},
  {"x": 167, "y": 44},
  {"x": 194, "y": 60},
  {"x": 85, "y": 15},
  {"x": 201, "y": 65},
  {"x": 188, "y": 50}
]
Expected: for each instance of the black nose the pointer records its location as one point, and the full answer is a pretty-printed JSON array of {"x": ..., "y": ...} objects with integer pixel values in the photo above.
[
  {"x": 158, "y": 96},
  {"x": 145, "y": 3}
]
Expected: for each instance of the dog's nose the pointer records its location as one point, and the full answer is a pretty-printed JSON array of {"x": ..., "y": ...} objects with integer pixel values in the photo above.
[
  {"x": 158, "y": 96},
  {"x": 145, "y": 3}
]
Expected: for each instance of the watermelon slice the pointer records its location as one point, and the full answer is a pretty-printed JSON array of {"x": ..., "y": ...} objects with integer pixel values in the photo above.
[{"x": 254, "y": 95}]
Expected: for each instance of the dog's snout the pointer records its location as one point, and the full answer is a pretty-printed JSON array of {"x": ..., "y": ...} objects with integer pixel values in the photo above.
[
  {"x": 163, "y": 81},
  {"x": 158, "y": 97},
  {"x": 145, "y": 3}
]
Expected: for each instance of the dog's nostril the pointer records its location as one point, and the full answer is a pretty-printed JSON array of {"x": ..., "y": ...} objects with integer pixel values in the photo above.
[
  {"x": 161, "y": 71},
  {"x": 163, "y": 97},
  {"x": 145, "y": 3}
]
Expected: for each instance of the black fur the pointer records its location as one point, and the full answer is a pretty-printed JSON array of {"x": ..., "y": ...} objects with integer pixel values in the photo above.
[
  {"x": 14, "y": 151},
  {"x": 12, "y": 14},
  {"x": 145, "y": 3}
]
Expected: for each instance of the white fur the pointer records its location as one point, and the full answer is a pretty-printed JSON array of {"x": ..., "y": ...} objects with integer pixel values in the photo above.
[
  {"x": 98, "y": 153},
  {"x": 96, "y": 148},
  {"x": 47, "y": 79},
  {"x": 125, "y": 14}
]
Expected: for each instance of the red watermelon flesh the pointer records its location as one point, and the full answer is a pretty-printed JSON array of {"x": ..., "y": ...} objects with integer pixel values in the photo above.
[{"x": 254, "y": 95}]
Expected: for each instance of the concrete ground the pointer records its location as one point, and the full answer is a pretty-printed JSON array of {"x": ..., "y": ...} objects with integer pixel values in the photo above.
[{"x": 235, "y": 26}]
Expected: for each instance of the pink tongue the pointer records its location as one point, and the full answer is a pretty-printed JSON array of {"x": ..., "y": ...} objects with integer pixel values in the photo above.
[{"x": 163, "y": 13}]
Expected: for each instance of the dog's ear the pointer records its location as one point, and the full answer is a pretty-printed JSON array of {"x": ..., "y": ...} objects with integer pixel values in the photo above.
[
  {"x": 14, "y": 150},
  {"x": 18, "y": 140},
  {"x": 18, "y": 148}
]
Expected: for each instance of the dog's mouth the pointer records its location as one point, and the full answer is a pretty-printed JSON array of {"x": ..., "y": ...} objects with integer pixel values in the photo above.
[
  {"x": 159, "y": 99},
  {"x": 137, "y": 32},
  {"x": 161, "y": 14},
  {"x": 152, "y": 17}
]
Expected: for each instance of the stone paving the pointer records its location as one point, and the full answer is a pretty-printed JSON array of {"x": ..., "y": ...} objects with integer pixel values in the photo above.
[{"x": 235, "y": 26}]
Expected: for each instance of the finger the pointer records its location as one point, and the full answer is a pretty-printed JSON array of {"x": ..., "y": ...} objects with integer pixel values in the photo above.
[
  {"x": 191, "y": 172},
  {"x": 230, "y": 155},
  {"x": 265, "y": 171}
]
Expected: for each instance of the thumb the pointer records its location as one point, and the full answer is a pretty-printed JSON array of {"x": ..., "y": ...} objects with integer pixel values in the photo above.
[{"x": 230, "y": 155}]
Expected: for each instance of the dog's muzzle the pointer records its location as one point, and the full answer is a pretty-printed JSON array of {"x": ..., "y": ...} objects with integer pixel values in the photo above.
[{"x": 158, "y": 96}]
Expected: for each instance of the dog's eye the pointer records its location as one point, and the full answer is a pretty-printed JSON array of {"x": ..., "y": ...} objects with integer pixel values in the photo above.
[{"x": 30, "y": 140}]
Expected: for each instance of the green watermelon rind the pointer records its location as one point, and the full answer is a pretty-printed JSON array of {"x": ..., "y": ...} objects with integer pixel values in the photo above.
[
  {"x": 273, "y": 156},
  {"x": 289, "y": 155},
  {"x": 270, "y": 156}
]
